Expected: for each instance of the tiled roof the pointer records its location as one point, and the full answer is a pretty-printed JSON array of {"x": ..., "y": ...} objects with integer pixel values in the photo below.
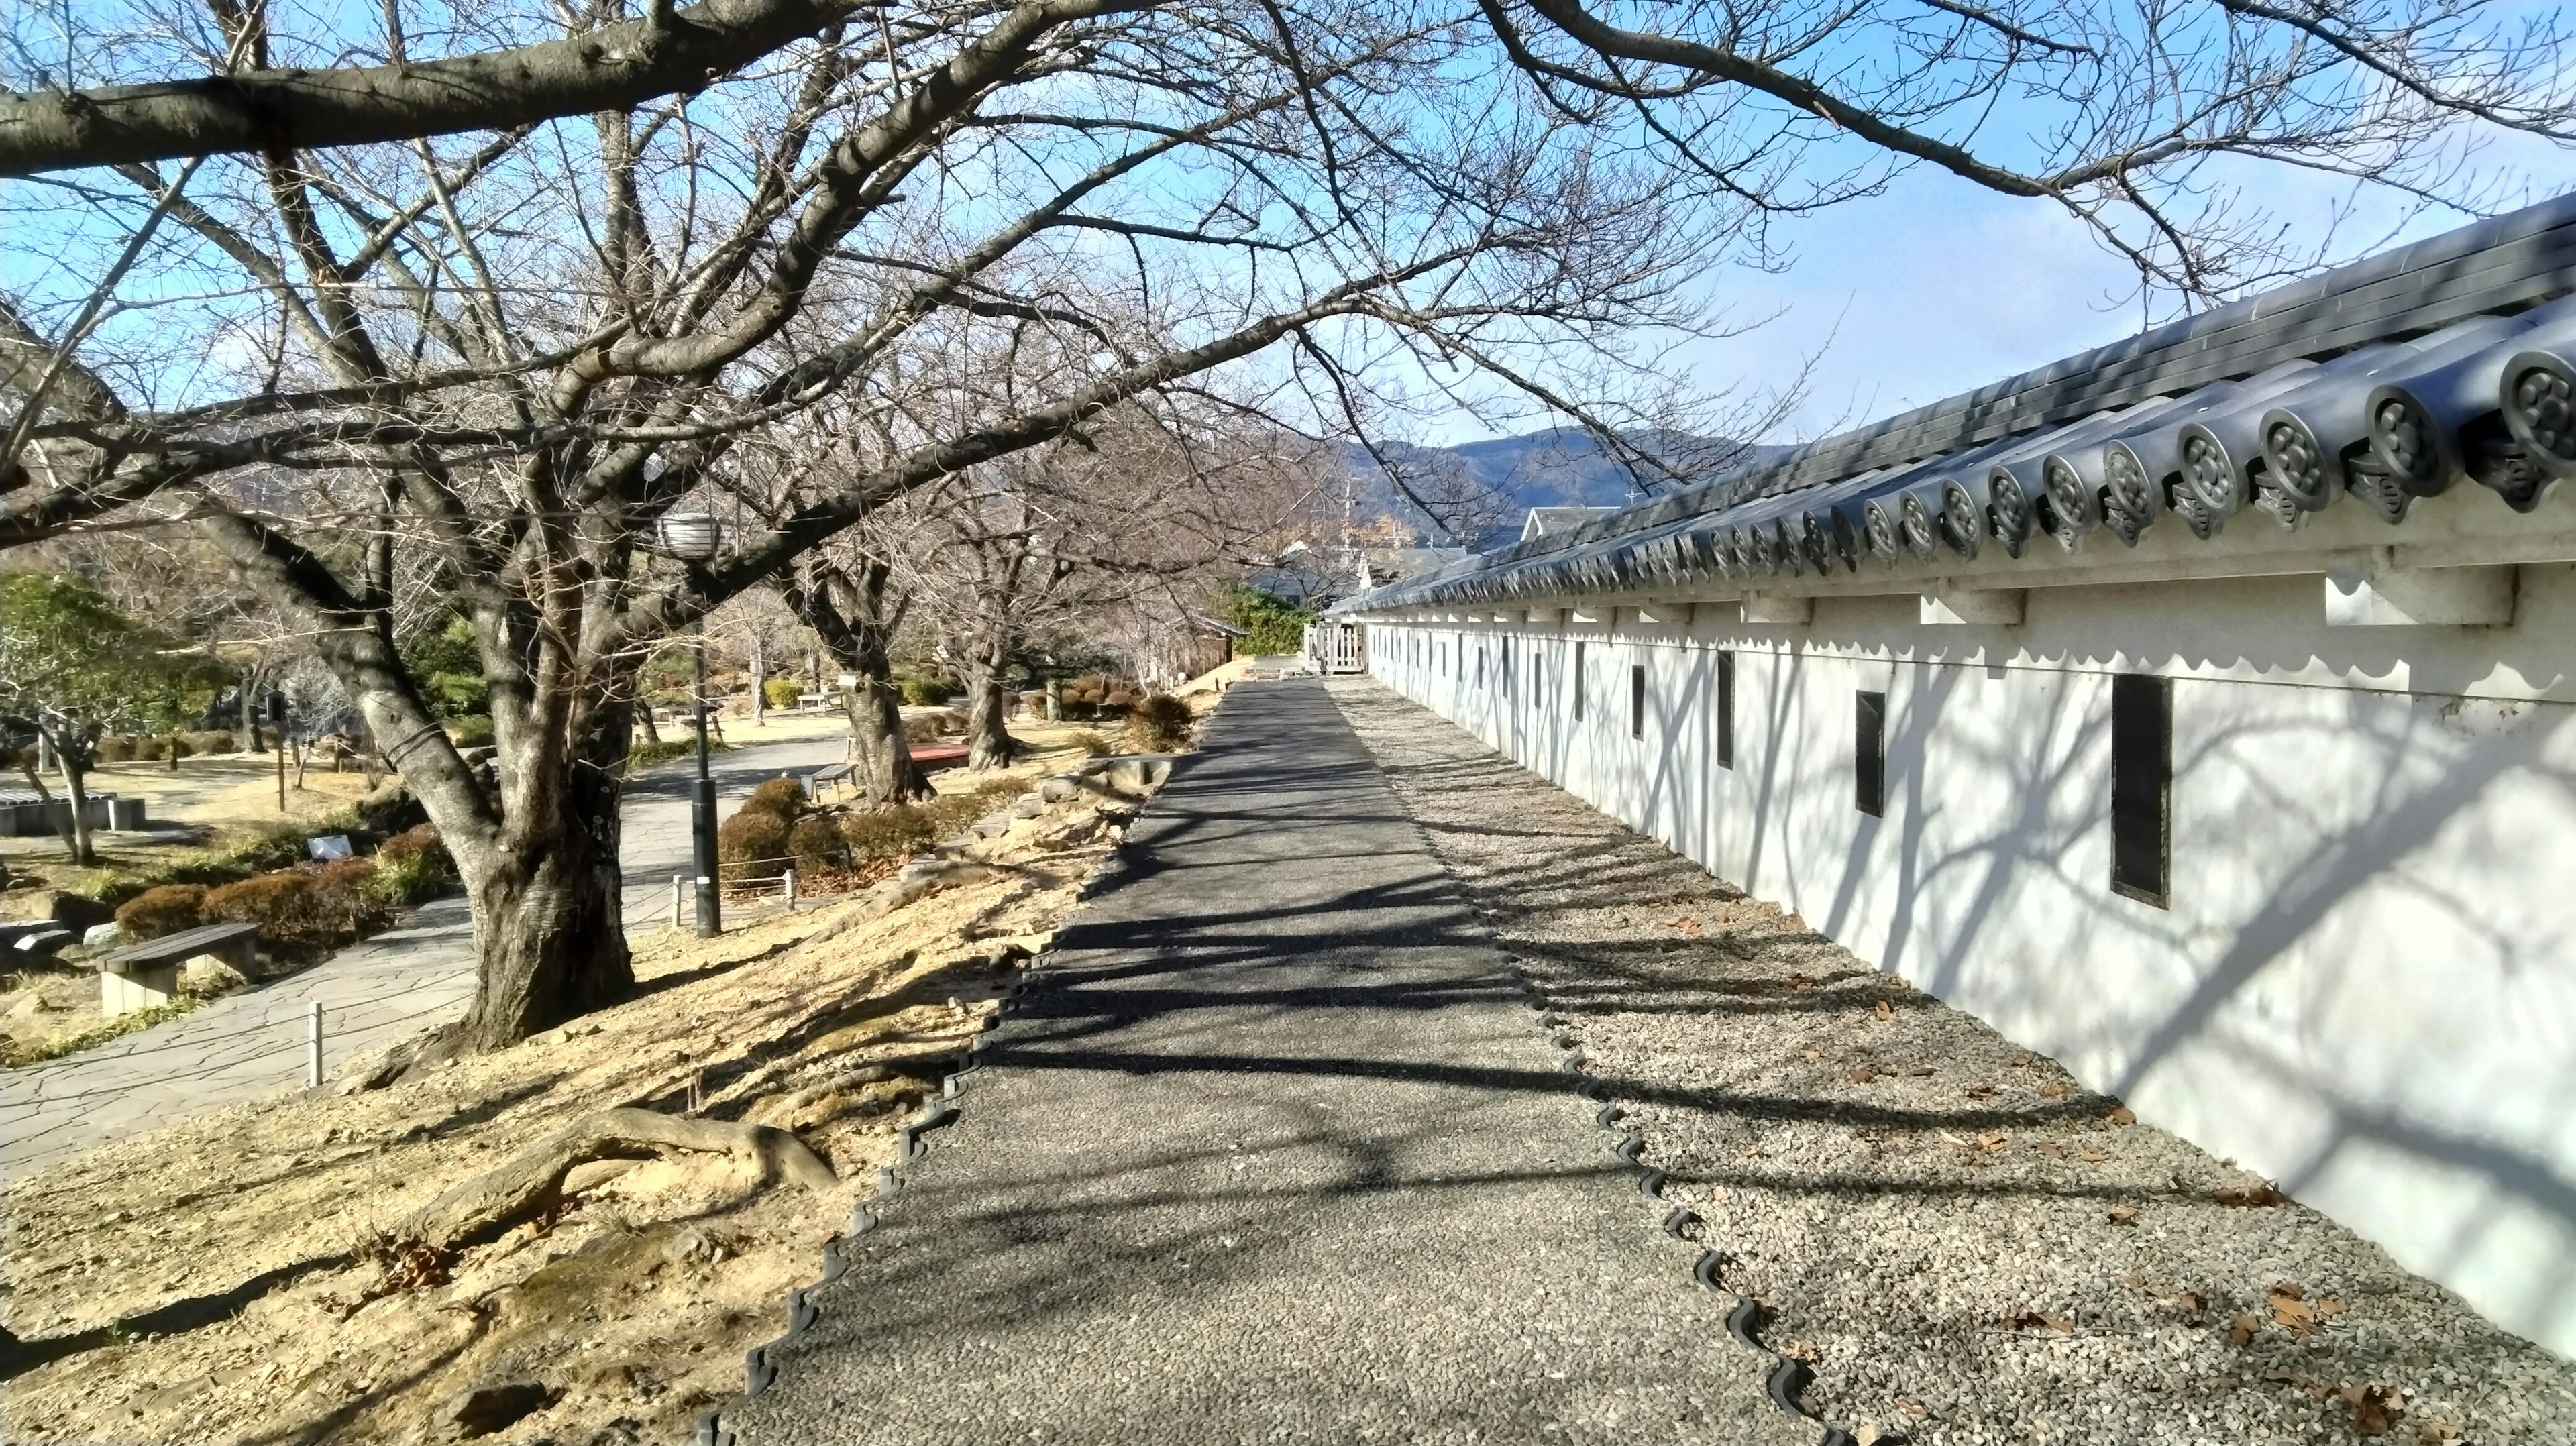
[{"x": 2373, "y": 384}]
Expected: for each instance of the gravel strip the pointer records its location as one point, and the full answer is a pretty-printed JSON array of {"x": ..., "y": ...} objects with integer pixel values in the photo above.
[{"x": 1972, "y": 1245}]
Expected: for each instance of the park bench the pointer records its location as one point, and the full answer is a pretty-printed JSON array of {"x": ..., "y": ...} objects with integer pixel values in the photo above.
[
  {"x": 140, "y": 976},
  {"x": 938, "y": 756},
  {"x": 833, "y": 778}
]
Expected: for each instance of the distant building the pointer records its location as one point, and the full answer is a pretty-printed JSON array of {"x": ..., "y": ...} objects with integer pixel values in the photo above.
[{"x": 2201, "y": 710}]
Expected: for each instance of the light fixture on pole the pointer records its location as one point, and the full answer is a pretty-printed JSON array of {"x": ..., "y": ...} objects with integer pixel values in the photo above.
[{"x": 698, "y": 537}]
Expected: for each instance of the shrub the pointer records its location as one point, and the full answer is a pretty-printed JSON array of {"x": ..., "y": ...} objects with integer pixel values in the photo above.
[
  {"x": 411, "y": 867},
  {"x": 1115, "y": 706},
  {"x": 884, "y": 833},
  {"x": 291, "y": 912},
  {"x": 925, "y": 691},
  {"x": 157, "y": 913},
  {"x": 921, "y": 730},
  {"x": 781, "y": 692},
  {"x": 950, "y": 812},
  {"x": 750, "y": 841},
  {"x": 816, "y": 845},
  {"x": 1035, "y": 701},
  {"x": 473, "y": 732},
  {"x": 1090, "y": 742},
  {"x": 1077, "y": 707},
  {"x": 784, "y": 797},
  {"x": 113, "y": 749},
  {"x": 1159, "y": 724},
  {"x": 212, "y": 741}
]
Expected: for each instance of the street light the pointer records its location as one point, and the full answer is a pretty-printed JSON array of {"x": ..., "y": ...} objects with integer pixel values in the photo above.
[{"x": 697, "y": 537}]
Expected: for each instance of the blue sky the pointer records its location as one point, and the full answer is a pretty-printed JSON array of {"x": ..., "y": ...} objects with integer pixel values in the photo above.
[{"x": 1937, "y": 287}]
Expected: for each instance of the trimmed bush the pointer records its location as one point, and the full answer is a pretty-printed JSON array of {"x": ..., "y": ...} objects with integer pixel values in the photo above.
[
  {"x": 1090, "y": 741},
  {"x": 781, "y": 692},
  {"x": 922, "y": 692},
  {"x": 299, "y": 909},
  {"x": 1159, "y": 724},
  {"x": 411, "y": 867},
  {"x": 1035, "y": 701},
  {"x": 816, "y": 845},
  {"x": 784, "y": 797},
  {"x": 748, "y": 842},
  {"x": 114, "y": 749},
  {"x": 212, "y": 741},
  {"x": 160, "y": 912},
  {"x": 885, "y": 833}
]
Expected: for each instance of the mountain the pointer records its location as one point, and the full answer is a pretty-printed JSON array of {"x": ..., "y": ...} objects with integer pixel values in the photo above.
[{"x": 1479, "y": 492}]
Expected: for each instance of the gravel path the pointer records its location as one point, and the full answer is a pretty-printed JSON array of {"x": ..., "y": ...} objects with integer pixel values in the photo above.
[
  {"x": 1973, "y": 1247},
  {"x": 1273, "y": 1150}
]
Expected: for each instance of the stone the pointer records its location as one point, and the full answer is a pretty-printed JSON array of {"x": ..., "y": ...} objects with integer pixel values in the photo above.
[
  {"x": 207, "y": 975},
  {"x": 487, "y": 1409},
  {"x": 29, "y": 1007},
  {"x": 1062, "y": 788},
  {"x": 99, "y": 937},
  {"x": 1027, "y": 806}
]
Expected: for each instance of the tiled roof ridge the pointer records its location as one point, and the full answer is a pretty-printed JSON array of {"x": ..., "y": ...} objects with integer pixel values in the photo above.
[{"x": 2501, "y": 265}]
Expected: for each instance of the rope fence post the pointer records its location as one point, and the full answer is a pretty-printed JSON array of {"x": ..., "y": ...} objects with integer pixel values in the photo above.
[
  {"x": 313, "y": 1045},
  {"x": 791, "y": 891},
  {"x": 679, "y": 892}
]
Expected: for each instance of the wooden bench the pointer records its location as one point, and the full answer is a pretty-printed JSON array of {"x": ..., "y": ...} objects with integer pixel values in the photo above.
[
  {"x": 932, "y": 759},
  {"x": 833, "y": 777},
  {"x": 140, "y": 976}
]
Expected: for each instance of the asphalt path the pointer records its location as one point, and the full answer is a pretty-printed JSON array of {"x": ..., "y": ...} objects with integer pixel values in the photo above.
[
  {"x": 1272, "y": 1150},
  {"x": 251, "y": 1044}
]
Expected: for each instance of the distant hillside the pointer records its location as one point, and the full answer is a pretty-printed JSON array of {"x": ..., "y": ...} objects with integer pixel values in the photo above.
[{"x": 1484, "y": 489}]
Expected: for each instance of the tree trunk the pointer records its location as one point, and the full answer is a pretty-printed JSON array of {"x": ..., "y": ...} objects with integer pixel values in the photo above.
[
  {"x": 759, "y": 685},
  {"x": 644, "y": 719},
  {"x": 989, "y": 743},
  {"x": 75, "y": 784},
  {"x": 850, "y": 616},
  {"x": 549, "y": 933},
  {"x": 250, "y": 711}
]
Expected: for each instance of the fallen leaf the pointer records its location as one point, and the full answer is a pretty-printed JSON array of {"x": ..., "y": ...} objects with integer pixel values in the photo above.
[
  {"x": 2049, "y": 1148},
  {"x": 1920, "y": 1070},
  {"x": 1814, "y": 1054},
  {"x": 2027, "y": 1319},
  {"x": 1951, "y": 1140},
  {"x": 2374, "y": 1408},
  {"x": 2124, "y": 1116},
  {"x": 1994, "y": 1141},
  {"x": 1981, "y": 1092},
  {"x": 1685, "y": 923},
  {"x": 1862, "y": 1075},
  {"x": 2328, "y": 1305},
  {"x": 2436, "y": 1433},
  {"x": 2122, "y": 1214},
  {"x": 1800, "y": 1350},
  {"x": 2251, "y": 1197},
  {"x": 2053, "y": 1091},
  {"x": 1884, "y": 1012},
  {"x": 2094, "y": 1157},
  {"x": 1800, "y": 983},
  {"x": 2294, "y": 1314},
  {"x": 2195, "y": 1311},
  {"x": 1913, "y": 1408},
  {"x": 2242, "y": 1330}
]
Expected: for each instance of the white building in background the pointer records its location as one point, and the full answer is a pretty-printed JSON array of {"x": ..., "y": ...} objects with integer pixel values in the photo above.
[{"x": 2197, "y": 710}]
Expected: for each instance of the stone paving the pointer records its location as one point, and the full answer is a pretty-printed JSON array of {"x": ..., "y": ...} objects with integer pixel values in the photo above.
[
  {"x": 1273, "y": 1149},
  {"x": 252, "y": 1044}
]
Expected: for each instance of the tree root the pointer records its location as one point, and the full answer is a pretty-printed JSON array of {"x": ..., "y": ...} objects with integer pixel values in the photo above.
[{"x": 531, "y": 1183}]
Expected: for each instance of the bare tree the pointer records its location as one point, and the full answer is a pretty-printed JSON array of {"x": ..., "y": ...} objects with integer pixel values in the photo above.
[{"x": 495, "y": 366}]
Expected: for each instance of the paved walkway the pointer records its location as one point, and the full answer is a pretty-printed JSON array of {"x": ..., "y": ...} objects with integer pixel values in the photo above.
[
  {"x": 1272, "y": 1151},
  {"x": 251, "y": 1045}
]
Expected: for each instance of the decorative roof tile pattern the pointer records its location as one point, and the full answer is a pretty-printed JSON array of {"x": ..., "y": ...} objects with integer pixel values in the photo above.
[{"x": 2393, "y": 378}]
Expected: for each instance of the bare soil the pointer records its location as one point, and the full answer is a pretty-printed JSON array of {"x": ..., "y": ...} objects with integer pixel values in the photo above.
[{"x": 243, "y": 1277}]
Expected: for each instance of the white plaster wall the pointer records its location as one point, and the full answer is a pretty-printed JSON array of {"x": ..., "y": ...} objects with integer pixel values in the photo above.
[{"x": 2365, "y": 985}]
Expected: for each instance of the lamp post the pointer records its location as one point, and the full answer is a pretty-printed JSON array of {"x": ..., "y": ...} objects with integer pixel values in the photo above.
[
  {"x": 277, "y": 725},
  {"x": 696, "y": 537}
]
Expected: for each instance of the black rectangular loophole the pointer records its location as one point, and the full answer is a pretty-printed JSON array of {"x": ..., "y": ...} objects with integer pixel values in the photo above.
[
  {"x": 1726, "y": 710},
  {"x": 1637, "y": 700},
  {"x": 1578, "y": 682},
  {"x": 1869, "y": 753},
  {"x": 2142, "y": 788}
]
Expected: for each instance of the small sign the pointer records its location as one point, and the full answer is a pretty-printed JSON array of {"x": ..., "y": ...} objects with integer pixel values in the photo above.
[{"x": 329, "y": 847}]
